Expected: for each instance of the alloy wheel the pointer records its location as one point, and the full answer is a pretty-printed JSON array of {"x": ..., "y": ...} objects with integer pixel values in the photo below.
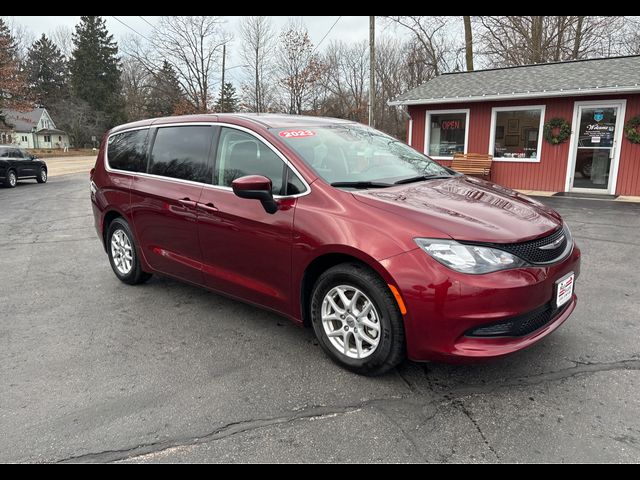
[
  {"x": 122, "y": 252},
  {"x": 351, "y": 322}
]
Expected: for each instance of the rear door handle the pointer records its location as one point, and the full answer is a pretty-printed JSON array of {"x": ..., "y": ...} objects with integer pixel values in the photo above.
[
  {"x": 187, "y": 202},
  {"x": 208, "y": 207}
]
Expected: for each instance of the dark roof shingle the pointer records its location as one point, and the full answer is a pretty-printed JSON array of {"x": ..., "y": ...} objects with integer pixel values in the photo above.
[{"x": 548, "y": 79}]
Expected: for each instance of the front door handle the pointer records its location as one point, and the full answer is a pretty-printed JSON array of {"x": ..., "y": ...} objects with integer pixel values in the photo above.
[
  {"x": 187, "y": 202},
  {"x": 208, "y": 207}
]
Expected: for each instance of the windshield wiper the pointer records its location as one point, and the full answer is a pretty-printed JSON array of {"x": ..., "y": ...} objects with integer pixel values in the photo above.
[
  {"x": 361, "y": 184},
  {"x": 420, "y": 178}
]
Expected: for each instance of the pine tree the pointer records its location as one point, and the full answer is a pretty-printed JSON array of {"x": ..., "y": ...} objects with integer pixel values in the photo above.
[
  {"x": 95, "y": 69},
  {"x": 230, "y": 102},
  {"x": 166, "y": 94},
  {"x": 46, "y": 71},
  {"x": 13, "y": 91}
]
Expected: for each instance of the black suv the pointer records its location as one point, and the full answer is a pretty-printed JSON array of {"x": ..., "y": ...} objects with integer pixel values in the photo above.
[{"x": 16, "y": 164}]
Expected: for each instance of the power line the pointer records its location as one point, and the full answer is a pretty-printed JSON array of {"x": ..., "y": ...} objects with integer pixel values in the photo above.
[
  {"x": 132, "y": 29},
  {"x": 326, "y": 34},
  {"x": 147, "y": 22}
]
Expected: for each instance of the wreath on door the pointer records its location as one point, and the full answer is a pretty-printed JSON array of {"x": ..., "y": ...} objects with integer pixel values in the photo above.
[
  {"x": 632, "y": 130},
  {"x": 557, "y": 130}
]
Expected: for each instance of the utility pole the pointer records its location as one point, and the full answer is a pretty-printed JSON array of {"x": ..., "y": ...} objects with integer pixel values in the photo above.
[
  {"x": 372, "y": 68},
  {"x": 224, "y": 57}
]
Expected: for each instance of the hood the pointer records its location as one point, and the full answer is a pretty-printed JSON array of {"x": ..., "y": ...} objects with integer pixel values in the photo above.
[{"x": 467, "y": 209}]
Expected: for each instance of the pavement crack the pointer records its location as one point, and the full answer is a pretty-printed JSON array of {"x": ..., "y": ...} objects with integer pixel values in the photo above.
[
  {"x": 39, "y": 242},
  {"x": 468, "y": 414},
  {"x": 412, "y": 388},
  {"x": 407, "y": 435},
  {"x": 225, "y": 431},
  {"x": 581, "y": 368}
]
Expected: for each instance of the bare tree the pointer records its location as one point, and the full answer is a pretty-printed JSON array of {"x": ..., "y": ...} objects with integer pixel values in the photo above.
[
  {"x": 62, "y": 37},
  {"x": 192, "y": 45},
  {"x": 391, "y": 80},
  {"x": 135, "y": 88},
  {"x": 299, "y": 68},
  {"x": 468, "y": 42},
  {"x": 345, "y": 79},
  {"x": 258, "y": 47},
  {"x": 520, "y": 40},
  {"x": 23, "y": 38},
  {"x": 630, "y": 43},
  {"x": 435, "y": 37}
]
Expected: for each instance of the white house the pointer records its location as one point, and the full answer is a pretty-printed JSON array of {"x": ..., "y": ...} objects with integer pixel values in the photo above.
[{"x": 32, "y": 129}]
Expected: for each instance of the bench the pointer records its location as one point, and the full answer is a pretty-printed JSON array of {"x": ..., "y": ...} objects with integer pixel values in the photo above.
[{"x": 476, "y": 164}]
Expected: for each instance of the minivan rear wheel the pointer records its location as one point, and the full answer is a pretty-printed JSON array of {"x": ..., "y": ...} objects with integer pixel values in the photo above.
[
  {"x": 123, "y": 254},
  {"x": 356, "y": 319}
]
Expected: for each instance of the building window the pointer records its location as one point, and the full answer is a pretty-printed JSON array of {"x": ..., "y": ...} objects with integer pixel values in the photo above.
[
  {"x": 47, "y": 138},
  {"x": 24, "y": 139},
  {"x": 446, "y": 133},
  {"x": 516, "y": 133}
]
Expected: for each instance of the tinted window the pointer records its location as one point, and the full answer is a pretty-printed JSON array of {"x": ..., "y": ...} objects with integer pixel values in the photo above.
[
  {"x": 128, "y": 151},
  {"x": 294, "y": 184},
  {"x": 241, "y": 154},
  {"x": 182, "y": 152},
  {"x": 4, "y": 152}
]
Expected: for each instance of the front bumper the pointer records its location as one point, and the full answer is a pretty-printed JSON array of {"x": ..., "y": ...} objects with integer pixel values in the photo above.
[{"x": 443, "y": 305}]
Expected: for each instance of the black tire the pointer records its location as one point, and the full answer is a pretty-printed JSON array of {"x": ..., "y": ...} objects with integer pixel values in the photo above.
[
  {"x": 11, "y": 180},
  {"x": 390, "y": 350},
  {"x": 134, "y": 275},
  {"x": 42, "y": 176}
]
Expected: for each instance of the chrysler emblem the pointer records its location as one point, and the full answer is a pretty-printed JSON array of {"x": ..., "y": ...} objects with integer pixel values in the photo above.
[{"x": 553, "y": 245}]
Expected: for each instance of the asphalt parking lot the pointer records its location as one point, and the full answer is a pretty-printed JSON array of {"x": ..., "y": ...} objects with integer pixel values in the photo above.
[{"x": 92, "y": 370}]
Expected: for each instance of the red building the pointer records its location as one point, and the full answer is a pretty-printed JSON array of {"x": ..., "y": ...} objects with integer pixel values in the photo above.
[{"x": 503, "y": 112}]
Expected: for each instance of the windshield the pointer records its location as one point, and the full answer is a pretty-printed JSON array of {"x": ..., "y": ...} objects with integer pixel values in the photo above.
[{"x": 356, "y": 154}]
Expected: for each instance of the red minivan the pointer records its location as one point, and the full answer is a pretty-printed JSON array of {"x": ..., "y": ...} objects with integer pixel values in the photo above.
[{"x": 335, "y": 225}]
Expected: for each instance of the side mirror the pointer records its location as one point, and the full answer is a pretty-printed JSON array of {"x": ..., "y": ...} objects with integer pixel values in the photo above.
[{"x": 256, "y": 187}]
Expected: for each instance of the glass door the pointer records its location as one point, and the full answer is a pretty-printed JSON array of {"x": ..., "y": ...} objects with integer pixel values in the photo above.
[{"x": 595, "y": 147}]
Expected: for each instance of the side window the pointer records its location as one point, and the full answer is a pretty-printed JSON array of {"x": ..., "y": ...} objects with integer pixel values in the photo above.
[
  {"x": 15, "y": 153},
  {"x": 240, "y": 154},
  {"x": 128, "y": 151},
  {"x": 183, "y": 152},
  {"x": 294, "y": 184},
  {"x": 4, "y": 153}
]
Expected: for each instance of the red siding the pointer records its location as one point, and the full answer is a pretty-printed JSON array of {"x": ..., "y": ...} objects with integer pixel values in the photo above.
[
  {"x": 550, "y": 173},
  {"x": 629, "y": 169}
]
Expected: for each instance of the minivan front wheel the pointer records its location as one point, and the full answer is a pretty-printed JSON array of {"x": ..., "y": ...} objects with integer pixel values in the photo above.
[
  {"x": 356, "y": 319},
  {"x": 123, "y": 256}
]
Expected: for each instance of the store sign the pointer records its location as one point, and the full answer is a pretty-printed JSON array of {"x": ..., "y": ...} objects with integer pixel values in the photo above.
[
  {"x": 600, "y": 133},
  {"x": 598, "y": 115},
  {"x": 450, "y": 125}
]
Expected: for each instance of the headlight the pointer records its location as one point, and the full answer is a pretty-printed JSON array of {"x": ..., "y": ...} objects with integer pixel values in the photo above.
[{"x": 472, "y": 259}]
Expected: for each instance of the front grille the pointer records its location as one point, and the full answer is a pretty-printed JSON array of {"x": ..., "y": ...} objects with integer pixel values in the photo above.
[
  {"x": 519, "y": 326},
  {"x": 531, "y": 252}
]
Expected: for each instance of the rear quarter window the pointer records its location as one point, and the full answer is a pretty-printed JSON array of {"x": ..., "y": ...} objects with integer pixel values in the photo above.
[{"x": 128, "y": 151}]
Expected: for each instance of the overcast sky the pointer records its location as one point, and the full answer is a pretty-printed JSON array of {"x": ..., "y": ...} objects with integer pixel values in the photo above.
[{"x": 349, "y": 29}]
